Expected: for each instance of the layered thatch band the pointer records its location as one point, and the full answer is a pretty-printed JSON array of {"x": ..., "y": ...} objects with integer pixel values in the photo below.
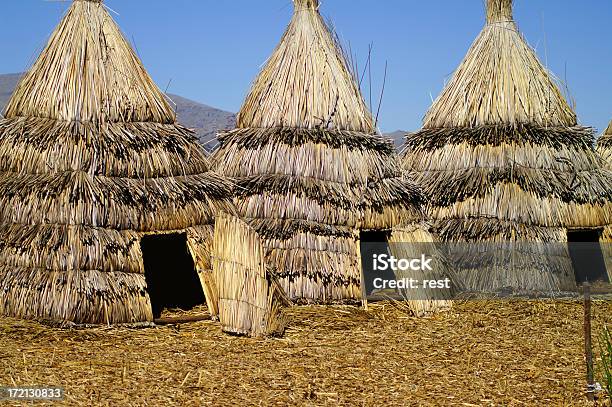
[
  {"x": 388, "y": 191},
  {"x": 134, "y": 150},
  {"x": 75, "y": 197},
  {"x": 579, "y": 187},
  {"x": 87, "y": 296},
  {"x": 283, "y": 229},
  {"x": 605, "y": 141},
  {"x": 479, "y": 228},
  {"x": 495, "y": 135},
  {"x": 253, "y": 138}
]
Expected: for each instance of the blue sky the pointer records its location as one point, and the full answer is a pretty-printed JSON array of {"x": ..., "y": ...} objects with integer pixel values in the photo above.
[{"x": 212, "y": 50}]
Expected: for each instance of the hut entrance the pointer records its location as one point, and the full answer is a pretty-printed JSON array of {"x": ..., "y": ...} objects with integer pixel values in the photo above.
[
  {"x": 170, "y": 273},
  {"x": 373, "y": 243},
  {"x": 587, "y": 255}
]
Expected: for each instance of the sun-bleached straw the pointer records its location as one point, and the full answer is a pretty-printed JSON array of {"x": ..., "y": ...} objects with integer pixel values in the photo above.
[{"x": 249, "y": 297}]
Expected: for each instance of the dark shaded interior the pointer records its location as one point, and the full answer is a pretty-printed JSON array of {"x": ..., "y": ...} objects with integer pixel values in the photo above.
[
  {"x": 170, "y": 273},
  {"x": 374, "y": 243},
  {"x": 587, "y": 256}
]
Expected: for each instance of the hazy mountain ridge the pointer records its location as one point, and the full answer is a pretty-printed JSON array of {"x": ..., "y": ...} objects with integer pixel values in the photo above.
[
  {"x": 7, "y": 86},
  {"x": 206, "y": 120},
  {"x": 397, "y": 137}
]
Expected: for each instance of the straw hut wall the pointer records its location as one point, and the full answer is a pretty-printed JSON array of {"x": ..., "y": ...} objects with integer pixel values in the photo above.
[
  {"x": 249, "y": 296},
  {"x": 503, "y": 159},
  {"x": 91, "y": 160},
  {"x": 311, "y": 170}
]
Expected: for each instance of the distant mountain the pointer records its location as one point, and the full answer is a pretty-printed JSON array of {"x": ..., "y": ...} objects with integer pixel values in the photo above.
[
  {"x": 398, "y": 137},
  {"x": 205, "y": 120},
  {"x": 7, "y": 85}
]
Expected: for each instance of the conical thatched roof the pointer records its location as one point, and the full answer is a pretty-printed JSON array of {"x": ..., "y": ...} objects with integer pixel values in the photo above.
[
  {"x": 500, "y": 81},
  {"x": 310, "y": 167},
  {"x": 88, "y": 72},
  {"x": 91, "y": 159},
  {"x": 306, "y": 82},
  {"x": 501, "y": 153}
]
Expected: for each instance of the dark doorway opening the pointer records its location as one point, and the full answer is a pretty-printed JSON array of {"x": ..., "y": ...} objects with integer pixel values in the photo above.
[
  {"x": 170, "y": 273},
  {"x": 587, "y": 256},
  {"x": 373, "y": 243}
]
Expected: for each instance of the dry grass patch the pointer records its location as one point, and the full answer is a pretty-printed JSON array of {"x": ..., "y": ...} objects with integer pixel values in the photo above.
[{"x": 480, "y": 353}]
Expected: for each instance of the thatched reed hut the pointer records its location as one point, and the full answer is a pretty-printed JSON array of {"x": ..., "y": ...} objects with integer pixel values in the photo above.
[
  {"x": 105, "y": 202},
  {"x": 311, "y": 170},
  {"x": 503, "y": 159}
]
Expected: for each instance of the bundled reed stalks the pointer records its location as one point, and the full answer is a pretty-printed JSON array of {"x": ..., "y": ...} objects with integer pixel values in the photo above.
[
  {"x": 606, "y": 243},
  {"x": 409, "y": 243},
  {"x": 502, "y": 157},
  {"x": 200, "y": 243},
  {"x": 604, "y": 148},
  {"x": 249, "y": 297},
  {"x": 91, "y": 160},
  {"x": 311, "y": 169}
]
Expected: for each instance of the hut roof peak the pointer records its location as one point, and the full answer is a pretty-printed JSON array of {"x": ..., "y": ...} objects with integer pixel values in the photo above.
[
  {"x": 499, "y": 11},
  {"x": 310, "y": 4},
  {"x": 88, "y": 72},
  {"x": 307, "y": 82},
  {"x": 501, "y": 82}
]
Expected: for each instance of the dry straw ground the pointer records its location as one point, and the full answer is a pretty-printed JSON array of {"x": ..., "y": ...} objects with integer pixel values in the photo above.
[{"x": 478, "y": 354}]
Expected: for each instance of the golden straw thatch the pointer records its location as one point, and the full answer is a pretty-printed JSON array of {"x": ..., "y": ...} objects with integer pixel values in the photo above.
[
  {"x": 311, "y": 169},
  {"x": 91, "y": 160},
  {"x": 501, "y": 154},
  {"x": 249, "y": 297},
  {"x": 604, "y": 147},
  {"x": 423, "y": 302}
]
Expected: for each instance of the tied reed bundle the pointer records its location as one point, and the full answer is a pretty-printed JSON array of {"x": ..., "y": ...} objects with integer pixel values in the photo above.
[
  {"x": 91, "y": 160},
  {"x": 604, "y": 148},
  {"x": 606, "y": 240},
  {"x": 410, "y": 242},
  {"x": 200, "y": 240},
  {"x": 310, "y": 168},
  {"x": 605, "y": 347},
  {"x": 503, "y": 159},
  {"x": 249, "y": 297}
]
